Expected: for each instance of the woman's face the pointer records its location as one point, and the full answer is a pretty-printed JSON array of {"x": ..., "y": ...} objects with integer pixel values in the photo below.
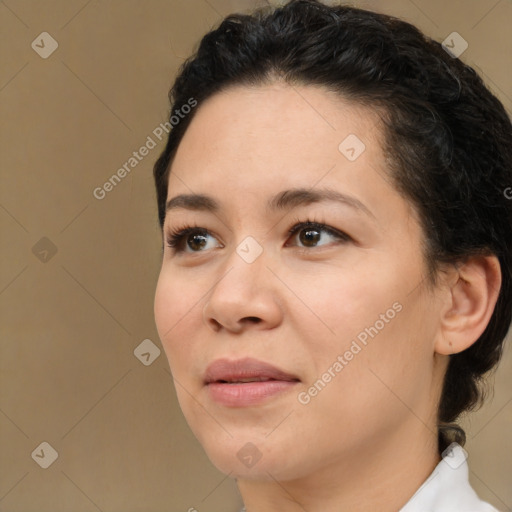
[{"x": 340, "y": 307}]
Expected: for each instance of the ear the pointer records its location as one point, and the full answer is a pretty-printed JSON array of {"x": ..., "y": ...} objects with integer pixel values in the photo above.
[{"x": 472, "y": 290}]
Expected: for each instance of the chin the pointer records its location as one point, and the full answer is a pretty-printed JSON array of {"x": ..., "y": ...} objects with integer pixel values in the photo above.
[{"x": 239, "y": 457}]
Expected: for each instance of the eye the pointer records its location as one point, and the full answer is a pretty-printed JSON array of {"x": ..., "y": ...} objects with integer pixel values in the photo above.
[
  {"x": 309, "y": 234},
  {"x": 190, "y": 239},
  {"x": 193, "y": 239}
]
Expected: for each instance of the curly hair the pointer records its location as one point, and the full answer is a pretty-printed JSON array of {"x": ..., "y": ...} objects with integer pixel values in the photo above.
[{"x": 448, "y": 139}]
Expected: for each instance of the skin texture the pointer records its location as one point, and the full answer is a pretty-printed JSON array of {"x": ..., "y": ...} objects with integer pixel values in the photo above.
[{"x": 368, "y": 439}]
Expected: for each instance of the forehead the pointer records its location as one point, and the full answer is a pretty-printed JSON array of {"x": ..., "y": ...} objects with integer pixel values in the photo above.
[{"x": 260, "y": 131}]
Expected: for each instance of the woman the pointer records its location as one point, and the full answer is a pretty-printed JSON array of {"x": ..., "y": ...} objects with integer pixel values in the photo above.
[{"x": 336, "y": 276}]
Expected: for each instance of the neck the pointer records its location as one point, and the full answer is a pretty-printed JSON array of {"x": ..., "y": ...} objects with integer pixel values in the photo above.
[{"x": 381, "y": 476}]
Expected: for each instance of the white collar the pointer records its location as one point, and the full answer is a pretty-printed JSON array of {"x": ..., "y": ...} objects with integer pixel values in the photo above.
[{"x": 447, "y": 489}]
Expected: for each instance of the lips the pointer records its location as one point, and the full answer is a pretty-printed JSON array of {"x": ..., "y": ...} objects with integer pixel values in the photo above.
[
  {"x": 245, "y": 370},
  {"x": 246, "y": 382}
]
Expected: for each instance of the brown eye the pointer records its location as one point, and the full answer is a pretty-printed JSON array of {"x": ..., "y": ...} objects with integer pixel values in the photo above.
[
  {"x": 309, "y": 234},
  {"x": 197, "y": 241},
  {"x": 309, "y": 237},
  {"x": 189, "y": 240}
]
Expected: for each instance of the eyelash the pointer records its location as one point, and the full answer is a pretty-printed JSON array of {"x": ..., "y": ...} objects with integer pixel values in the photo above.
[{"x": 175, "y": 238}]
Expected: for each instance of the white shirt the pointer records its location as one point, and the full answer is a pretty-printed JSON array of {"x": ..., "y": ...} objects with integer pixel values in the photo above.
[{"x": 447, "y": 489}]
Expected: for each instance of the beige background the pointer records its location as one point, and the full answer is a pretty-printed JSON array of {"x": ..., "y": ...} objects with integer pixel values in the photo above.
[{"x": 70, "y": 324}]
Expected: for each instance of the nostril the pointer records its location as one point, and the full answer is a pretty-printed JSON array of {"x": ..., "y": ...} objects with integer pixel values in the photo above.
[
  {"x": 254, "y": 319},
  {"x": 214, "y": 324}
]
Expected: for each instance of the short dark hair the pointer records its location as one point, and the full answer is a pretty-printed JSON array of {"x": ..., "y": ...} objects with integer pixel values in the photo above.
[{"x": 448, "y": 138}]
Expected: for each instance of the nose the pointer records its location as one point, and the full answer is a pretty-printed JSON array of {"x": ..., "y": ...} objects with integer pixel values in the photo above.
[{"x": 245, "y": 296}]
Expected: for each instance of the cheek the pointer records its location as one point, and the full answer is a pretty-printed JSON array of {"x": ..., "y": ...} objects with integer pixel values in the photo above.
[
  {"x": 368, "y": 313},
  {"x": 373, "y": 381},
  {"x": 165, "y": 306},
  {"x": 175, "y": 306},
  {"x": 178, "y": 311},
  {"x": 341, "y": 303}
]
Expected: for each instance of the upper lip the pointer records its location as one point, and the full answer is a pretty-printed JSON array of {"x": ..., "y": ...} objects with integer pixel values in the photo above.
[{"x": 240, "y": 369}]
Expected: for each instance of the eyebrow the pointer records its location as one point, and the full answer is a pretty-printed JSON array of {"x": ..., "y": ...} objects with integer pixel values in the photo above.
[{"x": 287, "y": 199}]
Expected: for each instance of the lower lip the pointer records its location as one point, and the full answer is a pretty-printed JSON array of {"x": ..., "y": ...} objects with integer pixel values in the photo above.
[{"x": 247, "y": 393}]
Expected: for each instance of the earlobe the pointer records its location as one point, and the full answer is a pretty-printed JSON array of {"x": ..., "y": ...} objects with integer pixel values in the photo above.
[{"x": 471, "y": 299}]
